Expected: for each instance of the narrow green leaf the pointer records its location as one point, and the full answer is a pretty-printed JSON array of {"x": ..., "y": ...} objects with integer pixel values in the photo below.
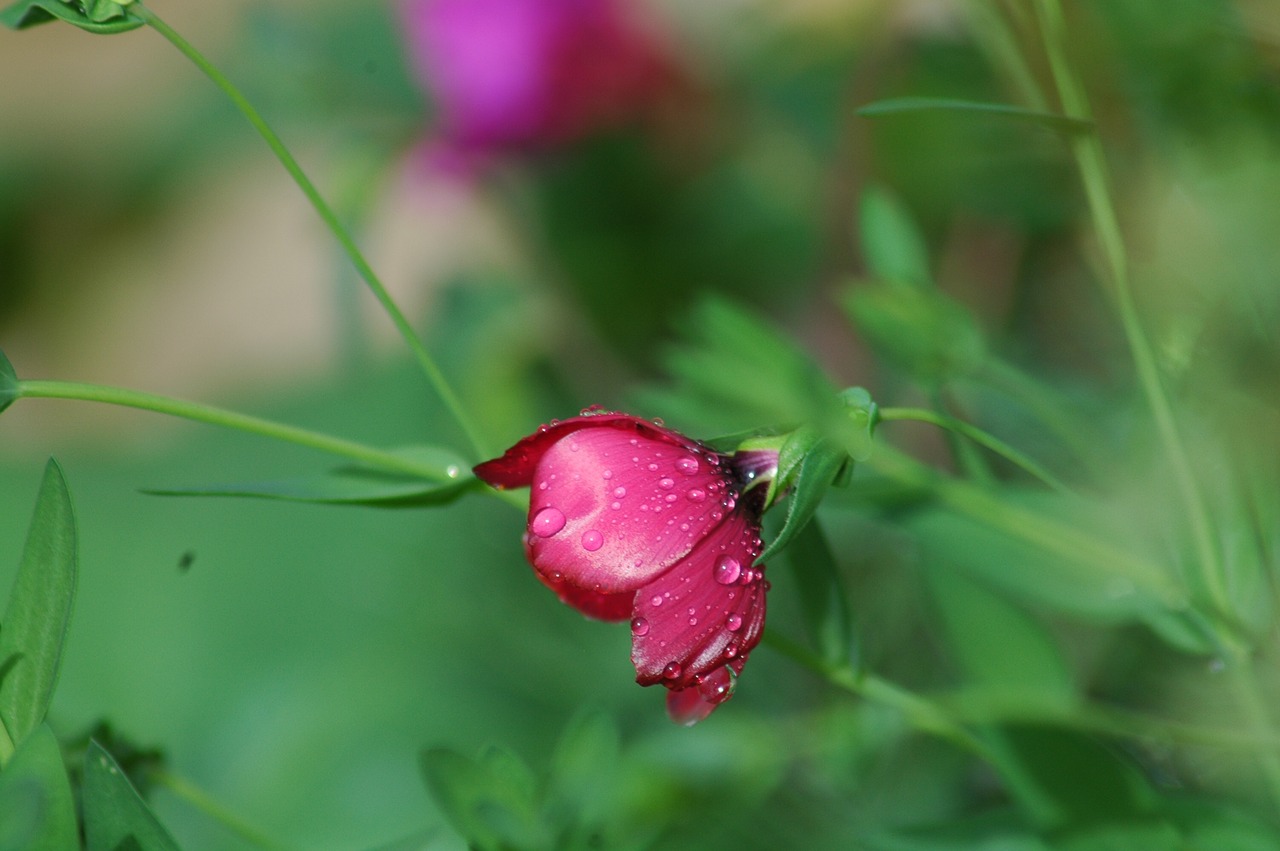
[
  {"x": 101, "y": 17},
  {"x": 812, "y": 479},
  {"x": 822, "y": 595},
  {"x": 39, "y": 610},
  {"x": 894, "y": 248},
  {"x": 115, "y": 816},
  {"x": 923, "y": 332},
  {"x": 37, "y": 810},
  {"x": 445, "y": 477},
  {"x": 8, "y": 383},
  {"x": 909, "y": 105}
]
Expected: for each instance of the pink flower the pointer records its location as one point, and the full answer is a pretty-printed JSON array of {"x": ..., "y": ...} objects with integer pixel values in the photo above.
[
  {"x": 515, "y": 74},
  {"x": 630, "y": 520}
]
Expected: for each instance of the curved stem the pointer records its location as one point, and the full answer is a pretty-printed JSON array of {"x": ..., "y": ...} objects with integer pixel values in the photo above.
[
  {"x": 1087, "y": 149},
  {"x": 227, "y": 419},
  {"x": 979, "y": 437},
  {"x": 203, "y": 802},
  {"x": 326, "y": 213}
]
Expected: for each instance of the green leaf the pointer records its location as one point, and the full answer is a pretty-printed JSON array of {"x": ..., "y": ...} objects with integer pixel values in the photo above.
[
  {"x": 893, "y": 246},
  {"x": 928, "y": 335},
  {"x": 357, "y": 485},
  {"x": 1004, "y": 652},
  {"x": 1217, "y": 826},
  {"x": 822, "y": 595},
  {"x": 39, "y": 610},
  {"x": 808, "y": 484},
  {"x": 8, "y": 383},
  {"x": 907, "y": 105},
  {"x": 115, "y": 816},
  {"x": 489, "y": 801},
  {"x": 98, "y": 16},
  {"x": 37, "y": 810},
  {"x": 582, "y": 787}
]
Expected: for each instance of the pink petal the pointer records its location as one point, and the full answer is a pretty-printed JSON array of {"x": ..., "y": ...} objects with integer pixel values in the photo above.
[
  {"x": 690, "y": 705},
  {"x": 706, "y": 612},
  {"x": 612, "y": 508},
  {"x": 593, "y": 604},
  {"x": 515, "y": 468}
]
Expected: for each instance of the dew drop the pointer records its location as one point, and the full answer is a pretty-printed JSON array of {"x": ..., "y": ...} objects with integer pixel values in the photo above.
[
  {"x": 687, "y": 465},
  {"x": 653, "y": 467},
  {"x": 693, "y": 621},
  {"x": 573, "y": 447},
  {"x": 731, "y": 651},
  {"x": 639, "y": 626},
  {"x": 607, "y": 474},
  {"x": 671, "y": 497},
  {"x": 615, "y": 506},
  {"x": 592, "y": 540},
  {"x": 666, "y": 483},
  {"x": 697, "y": 495},
  {"x": 547, "y": 522},
  {"x": 672, "y": 671},
  {"x": 452, "y": 471},
  {"x": 656, "y": 600},
  {"x": 728, "y": 569},
  {"x": 619, "y": 492},
  {"x": 733, "y": 623}
]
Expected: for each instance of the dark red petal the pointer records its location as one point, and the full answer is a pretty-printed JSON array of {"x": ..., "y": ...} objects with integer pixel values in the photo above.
[
  {"x": 690, "y": 705},
  {"x": 613, "y": 508},
  {"x": 515, "y": 468},
  {"x": 593, "y": 604},
  {"x": 704, "y": 613}
]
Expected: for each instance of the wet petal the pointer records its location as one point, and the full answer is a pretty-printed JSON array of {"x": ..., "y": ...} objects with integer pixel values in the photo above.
[
  {"x": 706, "y": 612},
  {"x": 612, "y": 508},
  {"x": 516, "y": 466},
  {"x": 692, "y": 704}
]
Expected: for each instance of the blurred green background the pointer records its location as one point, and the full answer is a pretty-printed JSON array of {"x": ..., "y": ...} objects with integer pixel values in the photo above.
[{"x": 292, "y": 661}]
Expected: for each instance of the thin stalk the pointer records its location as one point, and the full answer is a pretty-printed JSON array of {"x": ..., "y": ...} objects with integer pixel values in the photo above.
[
  {"x": 224, "y": 418},
  {"x": 327, "y": 215},
  {"x": 1087, "y": 150},
  {"x": 203, "y": 802},
  {"x": 978, "y": 436}
]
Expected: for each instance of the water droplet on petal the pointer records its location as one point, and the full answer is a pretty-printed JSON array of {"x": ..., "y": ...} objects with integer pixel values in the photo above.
[
  {"x": 547, "y": 522},
  {"x": 615, "y": 506},
  {"x": 656, "y": 601},
  {"x": 653, "y": 467},
  {"x": 607, "y": 474},
  {"x": 697, "y": 494},
  {"x": 671, "y": 497},
  {"x": 592, "y": 540},
  {"x": 733, "y": 623},
  {"x": 731, "y": 651},
  {"x": 619, "y": 492},
  {"x": 639, "y": 626},
  {"x": 693, "y": 621},
  {"x": 728, "y": 569},
  {"x": 573, "y": 446},
  {"x": 672, "y": 671},
  {"x": 666, "y": 483},
  {"x": 687, "y": 465}
]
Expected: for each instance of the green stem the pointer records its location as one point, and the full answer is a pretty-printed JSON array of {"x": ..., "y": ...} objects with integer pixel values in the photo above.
[
  {"x": 221, "y": 417},
  {"x": 979, "y": 437},
  {"x": 203, "y": 802},
  {"x": 1087, "y": 149},
  {"x": 1029, "y": 526},
  {"x": 326, "y": 213}
]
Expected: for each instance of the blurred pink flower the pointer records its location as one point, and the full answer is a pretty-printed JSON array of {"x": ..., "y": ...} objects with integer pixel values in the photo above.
[
  {"x": 518, "y": 74},
  {"x": 630, "y": 520}
]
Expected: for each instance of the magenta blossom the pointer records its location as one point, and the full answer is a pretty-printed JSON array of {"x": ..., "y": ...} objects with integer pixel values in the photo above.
[
  {"x": 631, "y": 521},
  {"x": 519, "y": 74}
]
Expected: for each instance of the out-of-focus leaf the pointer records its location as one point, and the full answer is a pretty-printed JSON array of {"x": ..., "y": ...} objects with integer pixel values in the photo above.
[
  {"x": 1003, "y": 651},
  {"x": 1087, "y": 783},
  {"x": 1211, "y": 825},
  {"x": 808, "y": 484},
  {"x": 8, "y": 383},
  {"x": 582, "y": 783},
  {"x": 895, "y": 251},
  {"x": 490, "y": 801},
  {"x": 1053, "y": 121},
  {"x": 39, "y": 609},
  {"x": 822, "y": 595},
  {"x": 96, "y": 16},
  {"x": 923, "y": 332},
  {"x": 115, "y": 816},
  {"x": 356, "y": 485},
  {"x": 861, "y": 410},
  {"x": 1137, "y": 835},
  {"x": 37, "y": 810}
]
